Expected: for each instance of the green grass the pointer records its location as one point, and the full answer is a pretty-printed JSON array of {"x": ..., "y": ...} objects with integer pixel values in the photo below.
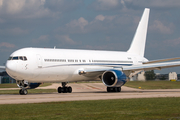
[
  {"x": 14, "y": 85},
  {"x": 30, "y": 91},
  {"x": 153, "y": 84},
  {"x": 122, "y": 109}
]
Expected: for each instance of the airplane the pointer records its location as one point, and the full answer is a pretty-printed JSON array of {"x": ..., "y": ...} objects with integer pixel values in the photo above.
[{"x": 32, "y": 66}]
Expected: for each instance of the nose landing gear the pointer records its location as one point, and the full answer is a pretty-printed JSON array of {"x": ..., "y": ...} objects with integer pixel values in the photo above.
[
  {"x": 64, "y": 88},
  {"x": 23, "y": 92},
  {"x": 23, "y": 85}
]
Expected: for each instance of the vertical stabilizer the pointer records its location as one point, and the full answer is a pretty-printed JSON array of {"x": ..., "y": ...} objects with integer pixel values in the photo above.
[{"x": 139, "y": 40}]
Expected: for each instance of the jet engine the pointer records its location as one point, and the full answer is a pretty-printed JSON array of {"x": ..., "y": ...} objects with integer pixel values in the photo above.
[{"x": 114, "y": 78}]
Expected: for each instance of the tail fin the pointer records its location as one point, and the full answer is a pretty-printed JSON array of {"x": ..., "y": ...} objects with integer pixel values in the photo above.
[{"x": 139, "y": 40}]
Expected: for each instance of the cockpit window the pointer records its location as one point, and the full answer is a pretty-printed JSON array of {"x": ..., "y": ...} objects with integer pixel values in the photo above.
[
  {"x": 24, "y": 58},
  {"x": 10, "y": 58},
  {"x": 15, "y": 58}
]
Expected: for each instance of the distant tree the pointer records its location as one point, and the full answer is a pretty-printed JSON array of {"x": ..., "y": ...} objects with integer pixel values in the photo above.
[
  {"x": 150, "y": 75},
  {"x": 163, "y": 77}
]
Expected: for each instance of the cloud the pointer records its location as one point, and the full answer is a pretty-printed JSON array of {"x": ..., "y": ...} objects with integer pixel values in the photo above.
[
  {"x": 100, "y": 17},
  {"x": 151, "y": 3},
  {"x": 105, "y": 4},
  {"x": 42, "y": 38},
  {"x": 17, "y": 31},
  {"x": 13, "y": 31},
  {"x": 63, "y": 5},
  {"x": 36, "y": 8},
  {"x": 80, "y": 23},
  {"x": 65, "y": 39},
  {"x": 158, "y": 26},
  {"x": 174, "y": 42},
  {"x": 6, "y": 45},
  {"x": 23, "y": 8}
]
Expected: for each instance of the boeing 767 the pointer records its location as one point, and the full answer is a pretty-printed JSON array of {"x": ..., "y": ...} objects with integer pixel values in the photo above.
[{"x": 32, "y": 66}]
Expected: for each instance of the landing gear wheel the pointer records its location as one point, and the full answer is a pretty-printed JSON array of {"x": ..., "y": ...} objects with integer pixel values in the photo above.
[
  {"x": 23, "y": 92},
  {"x": 69, "y": 89},
  {"x": 118, "y": 89},
  {"x": 64, "y": 88},
  {"x": 108, "y": 89},
  {"x": 20, "y": 92},
  {"x": 59, "y": 89},
  {"x": 113, "y": 89}
]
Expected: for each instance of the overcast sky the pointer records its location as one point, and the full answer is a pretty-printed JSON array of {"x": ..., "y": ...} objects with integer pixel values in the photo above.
[{"x": 89, "y": 24}]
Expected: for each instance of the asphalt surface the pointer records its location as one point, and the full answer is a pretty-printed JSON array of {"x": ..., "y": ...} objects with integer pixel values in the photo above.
[{"x": 86, "y": 91}]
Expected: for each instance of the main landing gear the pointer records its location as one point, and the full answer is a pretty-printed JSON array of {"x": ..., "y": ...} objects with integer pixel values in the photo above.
[
  {"x": 64, "y": 88},
  {"x": 113, "y": 89}
]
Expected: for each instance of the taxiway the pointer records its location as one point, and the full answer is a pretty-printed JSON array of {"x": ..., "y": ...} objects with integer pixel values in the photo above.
[{"x": 86, "y": 91}]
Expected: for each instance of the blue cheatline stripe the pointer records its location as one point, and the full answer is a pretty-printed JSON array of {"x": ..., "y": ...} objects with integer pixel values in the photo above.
[{"x": 92, "y": 64}]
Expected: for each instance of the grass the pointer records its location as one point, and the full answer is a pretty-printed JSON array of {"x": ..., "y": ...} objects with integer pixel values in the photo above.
[
  {"x": 14, "y": 85},
  {"x": 30, "y": 91},
  {"x": 122, "y": 109},
  {"x": 153, "y": 84}
]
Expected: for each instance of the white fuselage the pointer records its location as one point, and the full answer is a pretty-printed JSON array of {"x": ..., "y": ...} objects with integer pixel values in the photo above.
[{"x": 63, "y": 65}]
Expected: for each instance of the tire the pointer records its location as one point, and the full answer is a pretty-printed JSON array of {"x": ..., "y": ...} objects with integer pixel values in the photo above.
[
  {"x": 118, "y": 89},
  {"x": 20, "y": 92},
  {"x": 59, "y": 89},
  {"x": 25, "y": 91},
  {"x": 115, "y": 89},
  {"x": 65, "y": 89},
  {"x": 108, "y": 89},
  {"x": 69, "y": 89}
]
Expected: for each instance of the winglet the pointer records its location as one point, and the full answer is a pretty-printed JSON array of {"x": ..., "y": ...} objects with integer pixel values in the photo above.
[{"x": 139, "y": 40}]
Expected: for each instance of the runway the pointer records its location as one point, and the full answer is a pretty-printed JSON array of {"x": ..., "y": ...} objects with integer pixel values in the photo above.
[{"x": 87, "y": 91}]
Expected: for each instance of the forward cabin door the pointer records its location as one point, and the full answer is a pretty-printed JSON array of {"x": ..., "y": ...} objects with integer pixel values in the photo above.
[{"x": 39, "y": 61}]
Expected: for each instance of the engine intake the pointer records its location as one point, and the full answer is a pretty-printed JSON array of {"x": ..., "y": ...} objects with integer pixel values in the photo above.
[{"x": 114, "y": 78}]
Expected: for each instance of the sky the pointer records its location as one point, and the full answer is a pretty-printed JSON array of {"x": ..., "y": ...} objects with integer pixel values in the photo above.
[{"x": 89, "y": 24}]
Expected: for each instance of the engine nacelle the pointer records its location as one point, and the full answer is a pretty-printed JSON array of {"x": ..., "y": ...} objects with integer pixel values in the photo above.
[{"x": 114, "y": 78}]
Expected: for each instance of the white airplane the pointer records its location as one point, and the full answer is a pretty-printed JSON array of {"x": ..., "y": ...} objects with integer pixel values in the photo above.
[{"x": 32, "y": 66}]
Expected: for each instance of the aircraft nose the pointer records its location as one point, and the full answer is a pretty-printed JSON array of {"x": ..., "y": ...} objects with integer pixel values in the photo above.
[{"x": 11, "y": 68}]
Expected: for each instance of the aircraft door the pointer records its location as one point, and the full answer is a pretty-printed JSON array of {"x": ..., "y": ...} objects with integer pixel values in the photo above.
[
  {"x": 39, "y": 61},
  {"x": 135, "y": 60}
]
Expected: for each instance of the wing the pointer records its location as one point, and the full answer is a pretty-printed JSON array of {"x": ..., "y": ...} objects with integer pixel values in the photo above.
[
  {"x": 130, "y": 69},
  {"x": 2, "y": 67},
  {"x": 161, "y": 60}
]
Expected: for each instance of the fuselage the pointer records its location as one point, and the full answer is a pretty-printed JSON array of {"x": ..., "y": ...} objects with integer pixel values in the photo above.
[{"x": 63, "y": 65}]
